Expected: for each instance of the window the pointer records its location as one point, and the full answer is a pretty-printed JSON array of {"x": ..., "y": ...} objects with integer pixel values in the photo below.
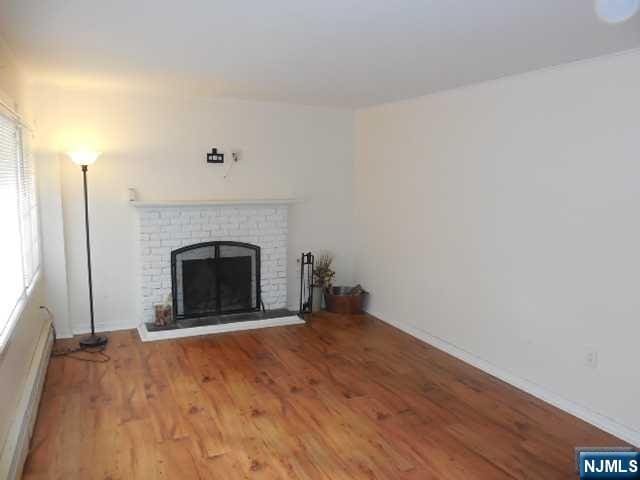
[{"x": 19, "y": 235}]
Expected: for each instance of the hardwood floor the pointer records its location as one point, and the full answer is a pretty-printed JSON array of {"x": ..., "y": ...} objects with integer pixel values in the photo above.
[{"x": 338, "y": 398}]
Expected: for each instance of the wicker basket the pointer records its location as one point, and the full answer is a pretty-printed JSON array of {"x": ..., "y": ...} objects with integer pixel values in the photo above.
[{"x": 340, "y": 300}]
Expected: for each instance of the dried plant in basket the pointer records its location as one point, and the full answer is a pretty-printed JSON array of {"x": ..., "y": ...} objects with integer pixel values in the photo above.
[{"x": 323, "y": 274}]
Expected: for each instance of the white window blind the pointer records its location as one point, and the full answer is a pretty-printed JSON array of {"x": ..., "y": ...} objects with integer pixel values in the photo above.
[
  {"x": 19, "y": 237},
  {"x": 28, "y": 209}
]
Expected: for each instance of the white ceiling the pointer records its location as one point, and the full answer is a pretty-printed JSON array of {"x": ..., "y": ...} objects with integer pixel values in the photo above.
[{"x": 334, "y": 52}]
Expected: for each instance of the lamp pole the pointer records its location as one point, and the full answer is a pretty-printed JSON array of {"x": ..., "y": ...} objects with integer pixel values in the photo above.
[{"x": 84, "y": 159}]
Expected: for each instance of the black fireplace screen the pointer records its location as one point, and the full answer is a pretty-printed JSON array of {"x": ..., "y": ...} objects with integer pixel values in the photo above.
[{"x": 214, "y": 278}]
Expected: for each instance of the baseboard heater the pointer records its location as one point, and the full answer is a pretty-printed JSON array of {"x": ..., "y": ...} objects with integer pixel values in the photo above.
[{"x": 16, "y": 447}]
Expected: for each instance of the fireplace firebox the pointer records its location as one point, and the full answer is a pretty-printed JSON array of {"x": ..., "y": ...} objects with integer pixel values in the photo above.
[{"x": 215, "y": 278}]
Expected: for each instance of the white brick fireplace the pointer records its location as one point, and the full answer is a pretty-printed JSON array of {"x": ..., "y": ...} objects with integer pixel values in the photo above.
[{"x": 164, "y": 227}]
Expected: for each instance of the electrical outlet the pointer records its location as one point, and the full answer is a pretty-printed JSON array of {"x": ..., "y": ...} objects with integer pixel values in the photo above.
[{"x": 591, "y": 357}]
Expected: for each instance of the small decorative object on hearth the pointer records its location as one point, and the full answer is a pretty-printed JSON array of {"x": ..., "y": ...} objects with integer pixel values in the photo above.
[
  {"x": 348, "y": 300},
  {"x": 164, "y": 313},
  {"x": 323, "y": 276}
]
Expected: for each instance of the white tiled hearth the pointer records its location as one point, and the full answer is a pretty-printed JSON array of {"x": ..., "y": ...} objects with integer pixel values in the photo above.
[{"x": 166, "y": 226}]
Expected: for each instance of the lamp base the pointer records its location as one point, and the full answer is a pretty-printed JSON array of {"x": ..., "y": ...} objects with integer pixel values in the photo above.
[{"x": 93, "y": 341}]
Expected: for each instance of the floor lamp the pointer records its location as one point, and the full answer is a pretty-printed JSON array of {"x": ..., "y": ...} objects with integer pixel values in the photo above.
[{"x": 84, "y": 159}]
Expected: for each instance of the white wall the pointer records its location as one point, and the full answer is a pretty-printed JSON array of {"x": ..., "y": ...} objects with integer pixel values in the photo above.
[
  {"x": 54, "y": 259},
  {"x": 503, "y": 219},
  {"x": 157, "y": 145}
]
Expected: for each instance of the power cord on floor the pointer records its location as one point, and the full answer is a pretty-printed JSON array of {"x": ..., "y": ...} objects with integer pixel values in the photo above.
[{"x": 72, "y": 352}]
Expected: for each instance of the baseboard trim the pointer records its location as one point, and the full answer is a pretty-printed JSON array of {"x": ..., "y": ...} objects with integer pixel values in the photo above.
[
  {"x": 103, "y": 327},
  {"x": 63, "y": 334},
  {"x": 596, "y": 419},
  {"x": 147, "y": 336},
  {"x": 16, "y": 447}
]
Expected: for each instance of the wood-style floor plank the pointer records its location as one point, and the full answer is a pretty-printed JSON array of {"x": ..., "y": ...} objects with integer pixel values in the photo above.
[{"x": 342, "y": 397}]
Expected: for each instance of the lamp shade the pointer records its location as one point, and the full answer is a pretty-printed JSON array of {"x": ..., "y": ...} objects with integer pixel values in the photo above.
[{"x": 83, "y": 157}]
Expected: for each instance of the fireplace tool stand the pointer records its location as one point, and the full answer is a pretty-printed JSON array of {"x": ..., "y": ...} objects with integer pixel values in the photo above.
[{"x": 306, "y": 284}]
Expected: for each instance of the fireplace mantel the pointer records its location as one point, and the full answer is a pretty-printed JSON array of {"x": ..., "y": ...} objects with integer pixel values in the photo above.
[{"x": 219, "y": 202}]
